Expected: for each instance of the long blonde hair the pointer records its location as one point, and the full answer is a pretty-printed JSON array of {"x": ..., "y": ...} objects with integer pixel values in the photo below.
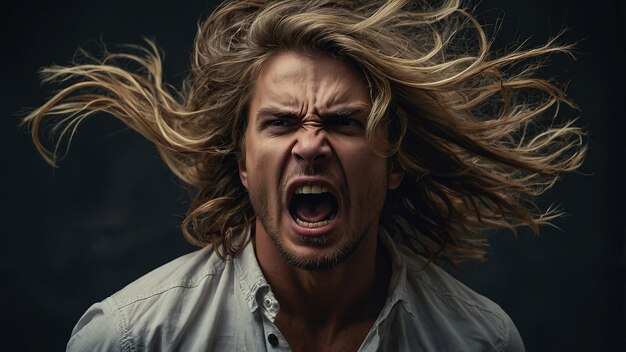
[{"x": 477, "y": 133}]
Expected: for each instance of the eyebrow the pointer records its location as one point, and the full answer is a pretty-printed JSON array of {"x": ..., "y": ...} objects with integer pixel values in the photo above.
[
  {"x": 275, "y": 111},
  {"x": 348, "y": 110}
]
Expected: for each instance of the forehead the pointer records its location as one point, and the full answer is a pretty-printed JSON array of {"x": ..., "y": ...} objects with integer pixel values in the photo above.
[{"x": 300, "y": 81}]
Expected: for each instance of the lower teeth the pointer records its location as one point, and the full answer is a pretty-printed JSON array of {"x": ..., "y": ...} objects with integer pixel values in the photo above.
[{"x": 314, "y": 224}]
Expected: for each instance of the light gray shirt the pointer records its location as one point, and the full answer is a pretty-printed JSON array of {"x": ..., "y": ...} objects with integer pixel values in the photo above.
[{"x": 201, "y": 303}]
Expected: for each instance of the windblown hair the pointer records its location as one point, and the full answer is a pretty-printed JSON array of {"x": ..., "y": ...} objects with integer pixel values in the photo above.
[{"x": 476, "y": 133}]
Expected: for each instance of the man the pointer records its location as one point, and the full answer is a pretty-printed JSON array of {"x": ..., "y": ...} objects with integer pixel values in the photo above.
[{"x": 339, "y": 149}]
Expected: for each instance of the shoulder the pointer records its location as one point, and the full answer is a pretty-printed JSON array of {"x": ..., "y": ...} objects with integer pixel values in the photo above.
[
  {"x": 182, "y": 274},
  {"x": 455, "y": 314},
  {"x": 153, "y": 303},
  {"x": 431, "y": 283}
]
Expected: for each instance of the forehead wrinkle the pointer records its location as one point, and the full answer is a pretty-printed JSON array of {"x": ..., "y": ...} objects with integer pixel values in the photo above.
[
  {"x": 335, "y": 92},
  {"x": 339, "y": 96},
  {"x": 310, "y": 85},
  {"x": 281, "y": 98},
  {"x": 291, "y": 85}
]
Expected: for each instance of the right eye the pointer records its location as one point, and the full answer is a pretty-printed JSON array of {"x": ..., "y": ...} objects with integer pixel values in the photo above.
[{"x": 279, "y": 123}]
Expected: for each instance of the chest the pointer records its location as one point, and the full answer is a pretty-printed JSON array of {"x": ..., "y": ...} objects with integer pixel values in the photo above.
[{"x": 303, "y": 337}]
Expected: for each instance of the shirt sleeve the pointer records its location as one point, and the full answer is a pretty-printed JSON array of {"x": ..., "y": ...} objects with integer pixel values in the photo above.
[
  {"x": 515, "y": 343},
  {"x": 95, "y": 331}
]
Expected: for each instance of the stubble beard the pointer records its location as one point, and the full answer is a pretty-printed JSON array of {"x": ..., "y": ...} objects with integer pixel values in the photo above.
[{"x": 319, "y": 262}]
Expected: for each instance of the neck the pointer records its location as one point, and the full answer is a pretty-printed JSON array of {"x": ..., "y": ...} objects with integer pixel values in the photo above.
[{"x": 351, "y": 292}]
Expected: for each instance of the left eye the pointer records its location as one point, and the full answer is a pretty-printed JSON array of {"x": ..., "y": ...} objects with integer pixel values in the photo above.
[{"x": 342, "y": 122}]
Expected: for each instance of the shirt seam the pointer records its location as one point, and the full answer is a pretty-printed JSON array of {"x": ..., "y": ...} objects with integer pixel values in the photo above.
[
  {"x": 457, "y": 298},
  {"x": 189, "y": 284},
  {"x": 122, "y": 326},
  {"x": 502, "y": 345}
]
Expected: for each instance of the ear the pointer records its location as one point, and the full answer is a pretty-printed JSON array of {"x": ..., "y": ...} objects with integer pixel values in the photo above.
[
  {"x": 396, "y": 173},
  {"x": 243, "y": 171},
  {"x": 394, "y": 179}
]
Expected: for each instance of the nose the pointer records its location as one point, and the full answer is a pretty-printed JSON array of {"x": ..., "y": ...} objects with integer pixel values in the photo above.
[{"x": 311, "y": 147}]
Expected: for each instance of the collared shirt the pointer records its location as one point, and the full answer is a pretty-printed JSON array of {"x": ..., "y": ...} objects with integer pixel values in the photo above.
[{"x": 200, "y": 303}]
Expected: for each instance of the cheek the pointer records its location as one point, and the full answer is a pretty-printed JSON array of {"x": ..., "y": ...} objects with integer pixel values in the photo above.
[
  {"x": 361, "y": 153},
  {"x": 363, "y": 166},
  {"x": 264, "y": 163}
]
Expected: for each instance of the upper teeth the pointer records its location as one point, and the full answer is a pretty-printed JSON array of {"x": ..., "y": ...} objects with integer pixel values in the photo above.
[{"x": 311, "y": 189}]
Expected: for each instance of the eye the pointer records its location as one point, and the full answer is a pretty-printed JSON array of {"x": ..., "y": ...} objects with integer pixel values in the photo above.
[
  {"x": 279, "y": 123},
  {"x": 342, "y": 121},
  {"x": 282, "y": 120}
]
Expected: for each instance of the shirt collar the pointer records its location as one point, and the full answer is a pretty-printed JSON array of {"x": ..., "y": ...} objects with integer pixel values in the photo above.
[
  {"x": 398, "y": 286},
  {"x": 249, "y": 275},
  {"x": 255, "y": 288}
]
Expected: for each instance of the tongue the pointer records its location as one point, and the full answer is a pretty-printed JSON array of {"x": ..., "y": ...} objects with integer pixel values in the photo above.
[{"x": 314, "y": 208}]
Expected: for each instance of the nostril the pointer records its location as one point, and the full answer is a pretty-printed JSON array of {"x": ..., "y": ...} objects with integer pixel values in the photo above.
[
  {"x": 309, "y": 150},
  {"x": 315, "y": 157}
]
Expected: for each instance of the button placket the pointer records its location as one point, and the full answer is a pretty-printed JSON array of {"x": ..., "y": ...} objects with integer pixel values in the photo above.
[
  {"x": 272, "y": 339},
  {"x": 270, "y": 306},
  {"x": 275, "y": 341}
]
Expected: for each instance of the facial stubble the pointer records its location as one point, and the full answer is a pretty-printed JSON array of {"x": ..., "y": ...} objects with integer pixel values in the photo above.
[{"x": 322, "y": 261}]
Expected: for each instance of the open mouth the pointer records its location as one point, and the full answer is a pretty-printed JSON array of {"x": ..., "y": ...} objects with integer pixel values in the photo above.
[{"x": 313, "y": 206}]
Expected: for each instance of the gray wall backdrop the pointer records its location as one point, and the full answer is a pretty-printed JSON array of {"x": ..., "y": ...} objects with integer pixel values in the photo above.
[{"x": 76, "y": 234}]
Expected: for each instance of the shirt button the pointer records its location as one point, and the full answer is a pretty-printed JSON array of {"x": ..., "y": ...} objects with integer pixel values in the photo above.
[
  {"x": 267, "y": 302},
  {"x": 272, "y": 339}
]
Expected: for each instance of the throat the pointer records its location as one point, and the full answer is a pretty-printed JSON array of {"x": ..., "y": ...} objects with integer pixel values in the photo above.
[{"x": 331, "y": 310}]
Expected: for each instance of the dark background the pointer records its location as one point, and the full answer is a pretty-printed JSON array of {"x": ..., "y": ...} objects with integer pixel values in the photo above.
[{"x": 111, "y": 212}]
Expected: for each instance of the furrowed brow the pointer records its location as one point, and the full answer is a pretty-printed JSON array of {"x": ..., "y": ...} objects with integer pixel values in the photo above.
[
  {"x": 275, "y": 112},
  {"x": 348, "y": 110}
]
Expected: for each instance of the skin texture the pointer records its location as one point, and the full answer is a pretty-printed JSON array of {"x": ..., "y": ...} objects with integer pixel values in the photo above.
[{"x": 306, "y": 126}]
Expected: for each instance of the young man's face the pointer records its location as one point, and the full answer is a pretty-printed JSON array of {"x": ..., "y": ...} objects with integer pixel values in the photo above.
[{"x": 315, "y": 183}]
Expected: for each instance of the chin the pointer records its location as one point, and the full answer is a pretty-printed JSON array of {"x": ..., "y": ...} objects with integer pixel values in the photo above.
[{"x": 316, "y": 253}]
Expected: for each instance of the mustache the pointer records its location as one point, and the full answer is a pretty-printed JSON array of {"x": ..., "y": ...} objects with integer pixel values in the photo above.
[{"x": 312, "y": 171}]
